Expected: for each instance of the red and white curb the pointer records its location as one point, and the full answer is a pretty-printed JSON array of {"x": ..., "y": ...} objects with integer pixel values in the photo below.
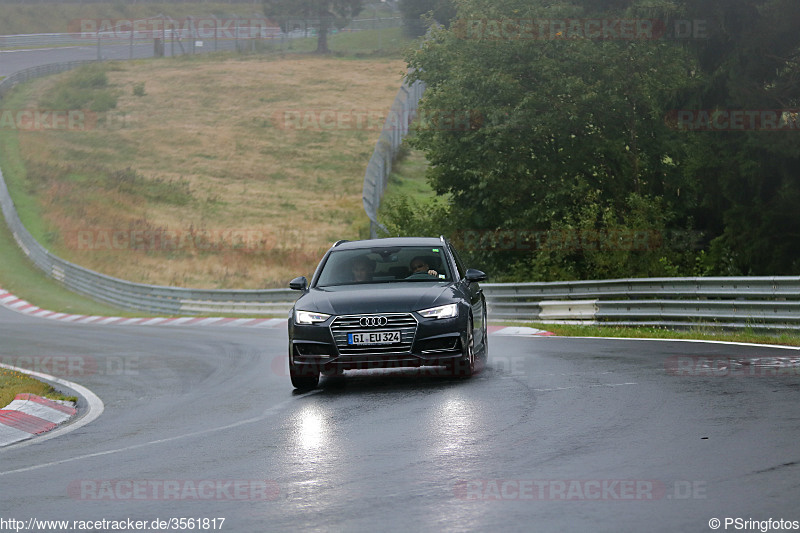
[
  {"x": 29, "y": 415},
  {"x": 11, "y": 302},
  {"x": 11, "y": 433}
]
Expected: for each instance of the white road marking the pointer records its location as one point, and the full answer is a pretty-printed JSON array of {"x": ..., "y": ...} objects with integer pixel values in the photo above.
[
  {"x": 257, "y": 419},
  {"x": 586, "y": 387}
]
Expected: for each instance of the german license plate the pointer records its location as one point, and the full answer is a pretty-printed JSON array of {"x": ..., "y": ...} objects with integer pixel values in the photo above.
[{"x": 374, "y": 337}]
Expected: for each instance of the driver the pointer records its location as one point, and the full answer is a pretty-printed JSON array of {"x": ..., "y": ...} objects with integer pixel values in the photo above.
[{"x": 420, "y": 269}]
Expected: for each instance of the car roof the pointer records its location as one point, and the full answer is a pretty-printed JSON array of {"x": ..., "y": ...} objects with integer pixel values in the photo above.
[{"x": 389, "y": 242}]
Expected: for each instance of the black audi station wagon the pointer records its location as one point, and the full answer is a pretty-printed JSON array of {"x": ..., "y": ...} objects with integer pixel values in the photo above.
[{"x": 387, "y": 303}]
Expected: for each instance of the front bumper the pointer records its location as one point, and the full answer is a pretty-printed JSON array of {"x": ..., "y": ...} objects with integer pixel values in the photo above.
[{"x": 425, "y": 342}]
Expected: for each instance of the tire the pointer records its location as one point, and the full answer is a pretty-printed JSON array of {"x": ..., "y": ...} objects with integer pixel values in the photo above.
[
  {"x": 485, "y": 343},
  {"x": 303, "y": 378},
  {"x": 484, "y": 357},
  {"x": 464, "y": 368}
]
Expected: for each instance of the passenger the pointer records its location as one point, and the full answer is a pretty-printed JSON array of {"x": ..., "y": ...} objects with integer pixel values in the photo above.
[{"x": 362, "y": 269}]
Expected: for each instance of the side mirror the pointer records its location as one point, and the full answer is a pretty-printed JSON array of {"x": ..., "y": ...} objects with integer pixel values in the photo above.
[
  {"x": 299, "y": 284},
  {"x": 475, "y": 275}
]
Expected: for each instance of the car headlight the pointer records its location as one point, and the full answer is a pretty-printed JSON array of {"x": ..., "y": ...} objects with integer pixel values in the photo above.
[
  {"x": 443, "y": 311},
  {"x": 309, "y": 317}
]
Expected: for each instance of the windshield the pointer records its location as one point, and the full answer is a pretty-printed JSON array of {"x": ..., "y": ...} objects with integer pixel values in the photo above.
[{"x": 385, "y": 265}]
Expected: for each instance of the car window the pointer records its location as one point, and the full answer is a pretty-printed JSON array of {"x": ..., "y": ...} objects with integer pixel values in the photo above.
[
  {"x": 385, "y": 265},
  {"x": 459, "y": 264}
]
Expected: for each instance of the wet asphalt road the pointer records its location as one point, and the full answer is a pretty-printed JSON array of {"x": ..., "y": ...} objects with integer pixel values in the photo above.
[
  {"x": 556, "y": 434},
  {"x": 14, "y": 60}
]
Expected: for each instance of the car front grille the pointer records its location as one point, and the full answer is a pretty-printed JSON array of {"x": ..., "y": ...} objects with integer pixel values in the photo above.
[{"x": 405, "y": 323}]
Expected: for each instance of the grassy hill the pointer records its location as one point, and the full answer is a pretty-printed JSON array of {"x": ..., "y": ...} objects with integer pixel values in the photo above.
[{"x": 223, "y": 172}]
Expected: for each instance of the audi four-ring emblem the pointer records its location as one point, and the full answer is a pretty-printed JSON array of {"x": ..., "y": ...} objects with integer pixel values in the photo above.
[{"x": 373, "y": 321}]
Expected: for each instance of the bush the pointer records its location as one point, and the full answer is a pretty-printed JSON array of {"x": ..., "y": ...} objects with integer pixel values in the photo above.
[
  {"x": 84, "y": 88},
  {"x": 89, "y": 77},
  {"x": 138, "y": 89}
]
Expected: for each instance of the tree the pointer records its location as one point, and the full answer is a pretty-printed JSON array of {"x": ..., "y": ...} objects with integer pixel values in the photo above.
[
  {"x": 574, "y": 132},
  {"x": 565, "y": 123},
  {"x": 749, "y": 181},
  {"x": 324, "y": 14}
]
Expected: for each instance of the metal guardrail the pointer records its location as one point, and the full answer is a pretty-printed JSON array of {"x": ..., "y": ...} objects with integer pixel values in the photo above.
[
  {"x": 768, "y": 303},
  {"x": 28, "y": 74},
  {"x": 105, "y": 38}
]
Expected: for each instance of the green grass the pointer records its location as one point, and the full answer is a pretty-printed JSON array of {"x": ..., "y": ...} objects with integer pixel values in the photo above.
[
  {"x": 384, "y": 42},
  {"x": 408, "y": 178},
  {"x": 389, "y": 42},
  {"x": 13, "y": 383},
  {"x": 706, "y": 333},
  {"x": 14, "y": 169}
]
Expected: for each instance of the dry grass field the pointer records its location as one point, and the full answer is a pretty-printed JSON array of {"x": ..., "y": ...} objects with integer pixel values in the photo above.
[{"x": 227, "y": 173}]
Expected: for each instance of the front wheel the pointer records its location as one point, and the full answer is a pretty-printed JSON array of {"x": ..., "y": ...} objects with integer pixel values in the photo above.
[
  {"x": 483, "y": 359},
  {"x": 465, "y": 367},
  {"x": 303, "y": 378}
]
